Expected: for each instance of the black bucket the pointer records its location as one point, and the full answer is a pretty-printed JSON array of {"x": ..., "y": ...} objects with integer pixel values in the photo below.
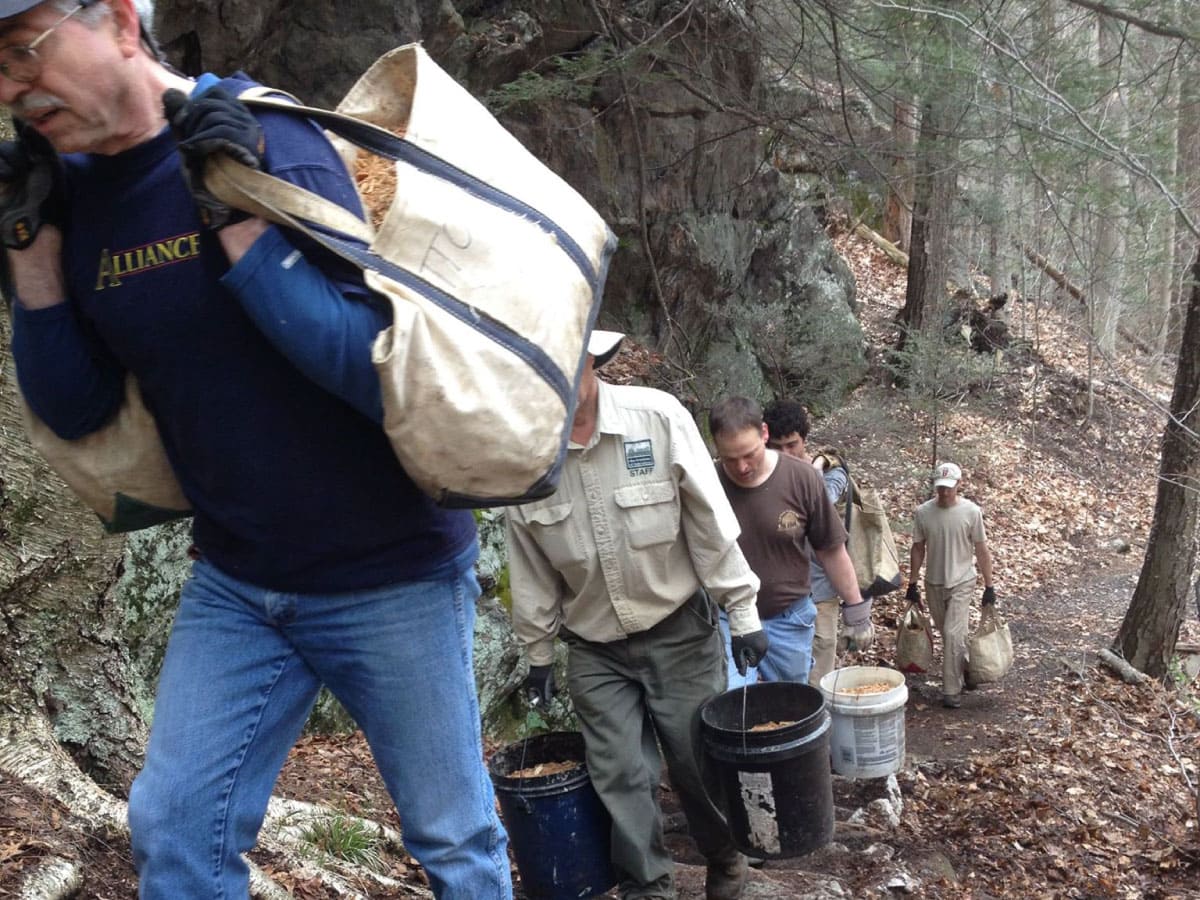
[
  {"x": 776, "y": 782},
  {"x": 559, "y": 831}
]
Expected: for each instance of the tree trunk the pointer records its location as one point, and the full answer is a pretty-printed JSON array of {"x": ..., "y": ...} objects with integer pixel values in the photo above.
[
  {"x": 1113, "y": 185},
  {"x": 1187, "y": 161},
  {"x": 912, "y": 314},
  {"x": 897, "y": 215},
  {"x": 936, "y": 188},
  {"x": 998, "y": 204},
  {"x": 1150, "y": 628},
  {"x": 61, "y": 650}
]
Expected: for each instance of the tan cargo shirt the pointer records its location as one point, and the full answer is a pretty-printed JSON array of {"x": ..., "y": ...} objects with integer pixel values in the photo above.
[{"x": 639, "y": 522}]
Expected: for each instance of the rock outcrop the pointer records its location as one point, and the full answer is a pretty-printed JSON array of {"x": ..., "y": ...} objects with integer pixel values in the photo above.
[{"x": 652, "y": 111}]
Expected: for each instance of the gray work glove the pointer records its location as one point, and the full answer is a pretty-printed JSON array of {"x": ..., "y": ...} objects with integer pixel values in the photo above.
[
  {"x": 989, "y": 596},
  {"x": 539, "y": 685},
  {"x": 748, "y": 649},
  {"x": 214, "y": 122},
  {"x": 31, "y": 187},
  {"x": 913, "y": 594},
  {"x": 857, "y": 631}
]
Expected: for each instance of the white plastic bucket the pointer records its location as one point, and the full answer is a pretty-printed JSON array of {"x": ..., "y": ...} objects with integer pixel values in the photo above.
[{"x": 866, "y": 735}]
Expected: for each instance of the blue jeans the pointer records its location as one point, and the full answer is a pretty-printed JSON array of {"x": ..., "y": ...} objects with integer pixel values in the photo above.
[
  {"x": 789, "y": 646},
  {"x": 242, "y": 669}
]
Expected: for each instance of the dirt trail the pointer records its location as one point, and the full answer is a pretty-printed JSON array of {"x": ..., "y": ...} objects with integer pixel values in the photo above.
[{"x": 1053, "y": 629}]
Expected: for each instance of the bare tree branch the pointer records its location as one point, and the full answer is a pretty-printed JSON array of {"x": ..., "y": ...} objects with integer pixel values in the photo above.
[{"x": 1158, "y": 28}]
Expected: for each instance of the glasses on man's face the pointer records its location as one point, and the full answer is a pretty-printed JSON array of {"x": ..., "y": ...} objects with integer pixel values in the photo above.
[{"x": 22, "y": 64}]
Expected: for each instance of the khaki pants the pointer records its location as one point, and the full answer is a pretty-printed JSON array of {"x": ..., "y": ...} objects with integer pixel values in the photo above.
[
  {"x": 824, "y": 648},
  {"x": 950, "y": 608},
  {"x": 634, "y": 696}
]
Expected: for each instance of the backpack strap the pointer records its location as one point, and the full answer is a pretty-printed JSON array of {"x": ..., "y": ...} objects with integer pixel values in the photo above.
[{"x": 850, "y": 491}]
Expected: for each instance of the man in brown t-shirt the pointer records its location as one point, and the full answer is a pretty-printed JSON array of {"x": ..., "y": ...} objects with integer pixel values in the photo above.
[{"x": 780, "y": 502}]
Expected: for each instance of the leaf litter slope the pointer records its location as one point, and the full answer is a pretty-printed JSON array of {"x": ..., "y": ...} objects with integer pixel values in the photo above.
[{"x": 1060, "y": 782}]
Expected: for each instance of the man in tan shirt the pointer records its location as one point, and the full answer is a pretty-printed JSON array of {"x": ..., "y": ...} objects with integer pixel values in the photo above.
[
  {"x": 627, "y": 562},
  {"x": 948, "y": 538}
]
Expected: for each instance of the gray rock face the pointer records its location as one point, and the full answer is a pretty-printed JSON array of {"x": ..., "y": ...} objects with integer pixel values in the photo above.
[{"x": 721, "y": 262}]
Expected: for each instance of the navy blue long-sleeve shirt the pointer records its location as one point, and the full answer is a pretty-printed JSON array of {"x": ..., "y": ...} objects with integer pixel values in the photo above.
[{"x": 259, "y": 375}]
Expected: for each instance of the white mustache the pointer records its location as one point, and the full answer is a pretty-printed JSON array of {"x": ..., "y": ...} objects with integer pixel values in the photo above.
[{"x": 39, "y": 102}]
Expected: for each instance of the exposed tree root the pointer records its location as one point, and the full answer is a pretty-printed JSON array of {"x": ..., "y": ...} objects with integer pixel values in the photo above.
[
  {"x": 54, "y": 878},
  {"x": 1128, "y": 673},
  {"x": 288, "y": 819},
  {"x": 30, "y": 754},
  {"x": 263, "y": 887},
  {"x": 285, "y": 833}
]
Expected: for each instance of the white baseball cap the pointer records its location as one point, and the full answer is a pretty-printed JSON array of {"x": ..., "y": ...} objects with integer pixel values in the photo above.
[
  {"x": 946, "y": 475},
  {"x": 604, "y": 346}
]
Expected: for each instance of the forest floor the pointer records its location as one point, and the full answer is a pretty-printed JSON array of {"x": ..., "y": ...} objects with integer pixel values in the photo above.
[{"x": 1061, "y": 781}]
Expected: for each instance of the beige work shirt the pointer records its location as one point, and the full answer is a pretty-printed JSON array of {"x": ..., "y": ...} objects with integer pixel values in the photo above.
[
  {"x": 950, "y": 535},
  {"x": 639, "y": 522}
]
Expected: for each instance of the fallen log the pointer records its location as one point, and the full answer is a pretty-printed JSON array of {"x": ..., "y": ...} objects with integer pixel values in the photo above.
[
  {"x": 1060, "y": 278},
  {"x": 894, "y": 253},
  {"x": 1128, "y": 673}
]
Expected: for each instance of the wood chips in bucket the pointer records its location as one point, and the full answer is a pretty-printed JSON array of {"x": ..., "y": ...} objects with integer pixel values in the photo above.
[
  {"x": 542, "y": 770},
  {"x": 875, "y": 687},
  {"x": 770, "y": 726}
]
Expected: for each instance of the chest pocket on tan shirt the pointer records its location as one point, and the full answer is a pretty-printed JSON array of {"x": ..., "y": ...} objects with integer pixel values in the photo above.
[
  {"x": 651, "y": 513},
  {"x": 550, "y": 526}
]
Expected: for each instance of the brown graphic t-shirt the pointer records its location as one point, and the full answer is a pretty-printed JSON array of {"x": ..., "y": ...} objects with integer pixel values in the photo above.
[{"x": 776, "y": 517}]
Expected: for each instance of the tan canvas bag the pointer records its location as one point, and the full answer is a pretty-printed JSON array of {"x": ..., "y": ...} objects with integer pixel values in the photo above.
[
  {"x": 990, "y": 649},
  {"x": 120, "y": 471},
  {"x": 914, "y": 642},
  {"x": 494, "y": 268},
  {"x": 871, "y": 545}
]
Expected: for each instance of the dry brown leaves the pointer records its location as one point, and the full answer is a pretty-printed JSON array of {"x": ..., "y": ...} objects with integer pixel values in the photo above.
[
  {"x": 1082, "y": 786},
  {"x": 1080, "y": 801}
]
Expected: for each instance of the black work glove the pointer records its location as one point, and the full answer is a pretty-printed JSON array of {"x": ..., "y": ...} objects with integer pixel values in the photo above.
[
  {"x": 989, "y": 596},
  {"x": 748, "y": 649},
  {"x": 214, "y": 122},
  {"x": 31, "y": 187},
  {"x": 539, "y": 685},
  {"x": 913, "y": 594}
]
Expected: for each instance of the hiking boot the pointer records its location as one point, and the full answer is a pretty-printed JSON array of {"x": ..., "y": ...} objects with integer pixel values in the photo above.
[
  {"x": 726, "y": 879},
  {"x": 951, "y": 701}
]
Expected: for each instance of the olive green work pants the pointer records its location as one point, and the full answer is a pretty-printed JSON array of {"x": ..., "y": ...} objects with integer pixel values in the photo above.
[{"x": 632, "y": 697}]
